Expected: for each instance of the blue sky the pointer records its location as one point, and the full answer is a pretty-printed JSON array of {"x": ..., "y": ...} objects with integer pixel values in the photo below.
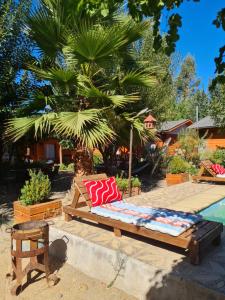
[{"x": 199, "y": 37}]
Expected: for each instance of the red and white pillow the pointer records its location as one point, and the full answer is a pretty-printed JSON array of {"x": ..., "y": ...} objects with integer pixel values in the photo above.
[
  {"x": 218, "y": 169},
  {"x": 102, "y": 191}
]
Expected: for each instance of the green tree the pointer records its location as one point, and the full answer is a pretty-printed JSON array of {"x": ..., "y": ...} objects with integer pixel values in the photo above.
[
  {"x": 201, "y": 101},
  {"x": 83, "y": 63},
  {"x": 15, "y": 50},
  {"x": 217, "y": 105},
  {"x": 186, "y": 85},
  {"x": 160, "y": 98},
  {"x": 219, "y": 22}
]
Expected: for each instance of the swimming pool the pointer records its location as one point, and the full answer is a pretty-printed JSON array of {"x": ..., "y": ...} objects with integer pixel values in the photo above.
[{"x": 215, "y": 212}]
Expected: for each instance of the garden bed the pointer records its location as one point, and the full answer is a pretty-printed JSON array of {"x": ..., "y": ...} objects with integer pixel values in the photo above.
[
  {"x": 39, "y": 211},
  {"x": 172, "y": 179}
]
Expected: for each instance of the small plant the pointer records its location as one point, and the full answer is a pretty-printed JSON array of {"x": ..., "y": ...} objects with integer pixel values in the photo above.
[
  {"x": 64, "y": 167},
  {"x": 178, "y": 165},
  {"x": 122, "y": 183},
  {"x": 135, "y": 182},
  {"x": 218, "y": 156},
  {"x": 35, "y": 190},
  {"x": 97, "y": 159}
]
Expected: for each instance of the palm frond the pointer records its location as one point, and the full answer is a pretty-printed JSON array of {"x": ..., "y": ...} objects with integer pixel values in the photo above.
[
  {"x": 139, "y": 78},
  {"x": 18, "y": 127},
  {"x": 95, "y": 43},
  {"x": 86, "y": 126},
  {"x": 47, "y": 31},
  {"x": 104, "y": 98}
]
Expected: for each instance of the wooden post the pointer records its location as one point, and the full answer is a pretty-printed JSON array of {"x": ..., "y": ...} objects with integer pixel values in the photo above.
[
  {"x": 130, "y": 160},
  {"x": 60, "y": 155}
]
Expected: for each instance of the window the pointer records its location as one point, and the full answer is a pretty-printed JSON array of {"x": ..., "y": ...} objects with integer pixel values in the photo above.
[{"x": 50, "y": 151}]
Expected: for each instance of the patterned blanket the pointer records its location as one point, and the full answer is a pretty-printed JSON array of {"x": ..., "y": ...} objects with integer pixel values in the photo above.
[{"x": 160, "y": 219}]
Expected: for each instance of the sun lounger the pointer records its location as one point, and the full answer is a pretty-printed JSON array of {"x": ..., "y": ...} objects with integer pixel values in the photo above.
[
  {"x": 194, "y": 238},
  {"x": 207, "y": 174}
]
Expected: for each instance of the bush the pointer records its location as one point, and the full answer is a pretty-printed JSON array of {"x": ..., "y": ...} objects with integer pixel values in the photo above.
[
  {"x": 97, "y": 159},
  {"x": 178, "y": 165},
  {"x": 64, "y": 167},
  {"x": 189, "y": 142},
  {"x": 218, "y": 156},
  {"x": 122, "y": 183},
  {"x": 135, "y": 182},
  {"x": 35, "y": 190}
]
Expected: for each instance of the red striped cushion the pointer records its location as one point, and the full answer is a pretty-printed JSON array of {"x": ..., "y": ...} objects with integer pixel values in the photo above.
[
  {"x": 218, "y": 169},
  {"x": 102, "y": 191}
]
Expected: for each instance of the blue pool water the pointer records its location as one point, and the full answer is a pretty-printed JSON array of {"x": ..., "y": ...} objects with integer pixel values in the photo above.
[{"x": 215, "y": 212}]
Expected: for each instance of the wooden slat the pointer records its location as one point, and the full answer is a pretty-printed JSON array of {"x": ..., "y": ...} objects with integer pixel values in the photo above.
[
  {"x": 155, "y": 235},
  {"x": 208, "y": 178},
  {"x": 199, "y": 234},
  {"x": 188, "y": 233}
]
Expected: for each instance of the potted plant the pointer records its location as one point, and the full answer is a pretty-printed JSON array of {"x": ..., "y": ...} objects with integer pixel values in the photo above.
[
  {"x": 177, "y": 171},
  {"x": 123, "y": 186},
  {"x": 33, "y": 203}
]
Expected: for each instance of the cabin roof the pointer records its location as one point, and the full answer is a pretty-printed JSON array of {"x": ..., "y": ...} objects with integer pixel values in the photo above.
[
  {"x": 172, "y": 125},
  {"x": 206, "y": 122}
]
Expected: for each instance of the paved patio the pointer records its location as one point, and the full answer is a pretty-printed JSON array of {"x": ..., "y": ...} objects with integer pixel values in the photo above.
[{"x": 168, "y": 261}]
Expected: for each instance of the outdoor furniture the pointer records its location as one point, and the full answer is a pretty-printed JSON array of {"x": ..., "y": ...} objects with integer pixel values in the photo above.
[
  {"x": 29, "y": 240},
  {"x": 194, "y": 239},
  {"x": 206, "y": 173}
]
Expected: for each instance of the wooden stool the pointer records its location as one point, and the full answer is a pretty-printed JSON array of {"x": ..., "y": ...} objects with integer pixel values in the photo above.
[{"x": 29, "y": 240}]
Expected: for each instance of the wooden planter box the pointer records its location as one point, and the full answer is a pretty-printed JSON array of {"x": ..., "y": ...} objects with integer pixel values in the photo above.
[
  {"x": 39, "y": 211},
  {"x": 172, "y": 179},
  {"x": 134, "y": 192}
]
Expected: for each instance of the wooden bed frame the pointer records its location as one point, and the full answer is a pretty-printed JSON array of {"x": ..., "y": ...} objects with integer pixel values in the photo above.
[
  {"x": 206, "y": 173},
  {"x": 195, "y": 239}
]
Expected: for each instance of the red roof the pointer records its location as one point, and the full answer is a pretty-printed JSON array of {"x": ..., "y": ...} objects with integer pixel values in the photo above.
[{"x": 150, "y": 118}]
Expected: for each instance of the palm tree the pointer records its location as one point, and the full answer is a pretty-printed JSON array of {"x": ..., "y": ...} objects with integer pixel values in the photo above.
[{"x": 90, "y": 79}]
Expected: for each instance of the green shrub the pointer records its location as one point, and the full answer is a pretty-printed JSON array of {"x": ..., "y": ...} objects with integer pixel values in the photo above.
[
  {"x": 122, "y": 183},
  {"x": 97, "y": 159},
  {"x": 189, "y": 142},
  {"x": 218, "y": 156},
  {"x": 192, "y": 170},
  {"x": 35, "y": 190},
  {"x": 135, "y": 181},
  {"x": 64, "y": 167},
  {"x": 178, "y": 165}
]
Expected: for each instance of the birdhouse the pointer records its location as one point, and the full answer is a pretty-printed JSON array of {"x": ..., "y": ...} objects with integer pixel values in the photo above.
[{"x": 150, "y": 122}]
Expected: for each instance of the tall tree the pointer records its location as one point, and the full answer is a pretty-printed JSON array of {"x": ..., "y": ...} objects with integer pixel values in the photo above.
[
  {"x": 219, "y": 22},
  {"x": 187, "y": 85},
  {"x": 160, "y": 99},
  {"x": 83, "y": 62},
  {"x": 15, "y": 50},
  {"x": 217, "y": 105}
]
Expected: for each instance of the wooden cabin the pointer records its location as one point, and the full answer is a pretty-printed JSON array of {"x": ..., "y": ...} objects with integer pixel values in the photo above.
[
  {"x": 48, "y": 149},
  {"x": 170, "y": 130},
  {"x": 213, "y": 135}
]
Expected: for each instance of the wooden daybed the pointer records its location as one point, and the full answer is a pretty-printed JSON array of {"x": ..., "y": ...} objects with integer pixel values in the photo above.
[
  {"x": 206, "y": 173},
  {"x": 195, "y": 239}
]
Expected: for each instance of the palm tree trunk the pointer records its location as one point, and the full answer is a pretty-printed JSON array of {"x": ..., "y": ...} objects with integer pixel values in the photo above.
[{"x": 83, "y": 162}]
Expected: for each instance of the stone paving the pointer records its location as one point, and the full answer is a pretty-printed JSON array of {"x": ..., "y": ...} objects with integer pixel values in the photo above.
[{"x": 186, "y": 197}]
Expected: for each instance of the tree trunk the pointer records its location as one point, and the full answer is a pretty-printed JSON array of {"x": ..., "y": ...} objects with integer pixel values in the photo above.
[{"x": 83, "y": 162}]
